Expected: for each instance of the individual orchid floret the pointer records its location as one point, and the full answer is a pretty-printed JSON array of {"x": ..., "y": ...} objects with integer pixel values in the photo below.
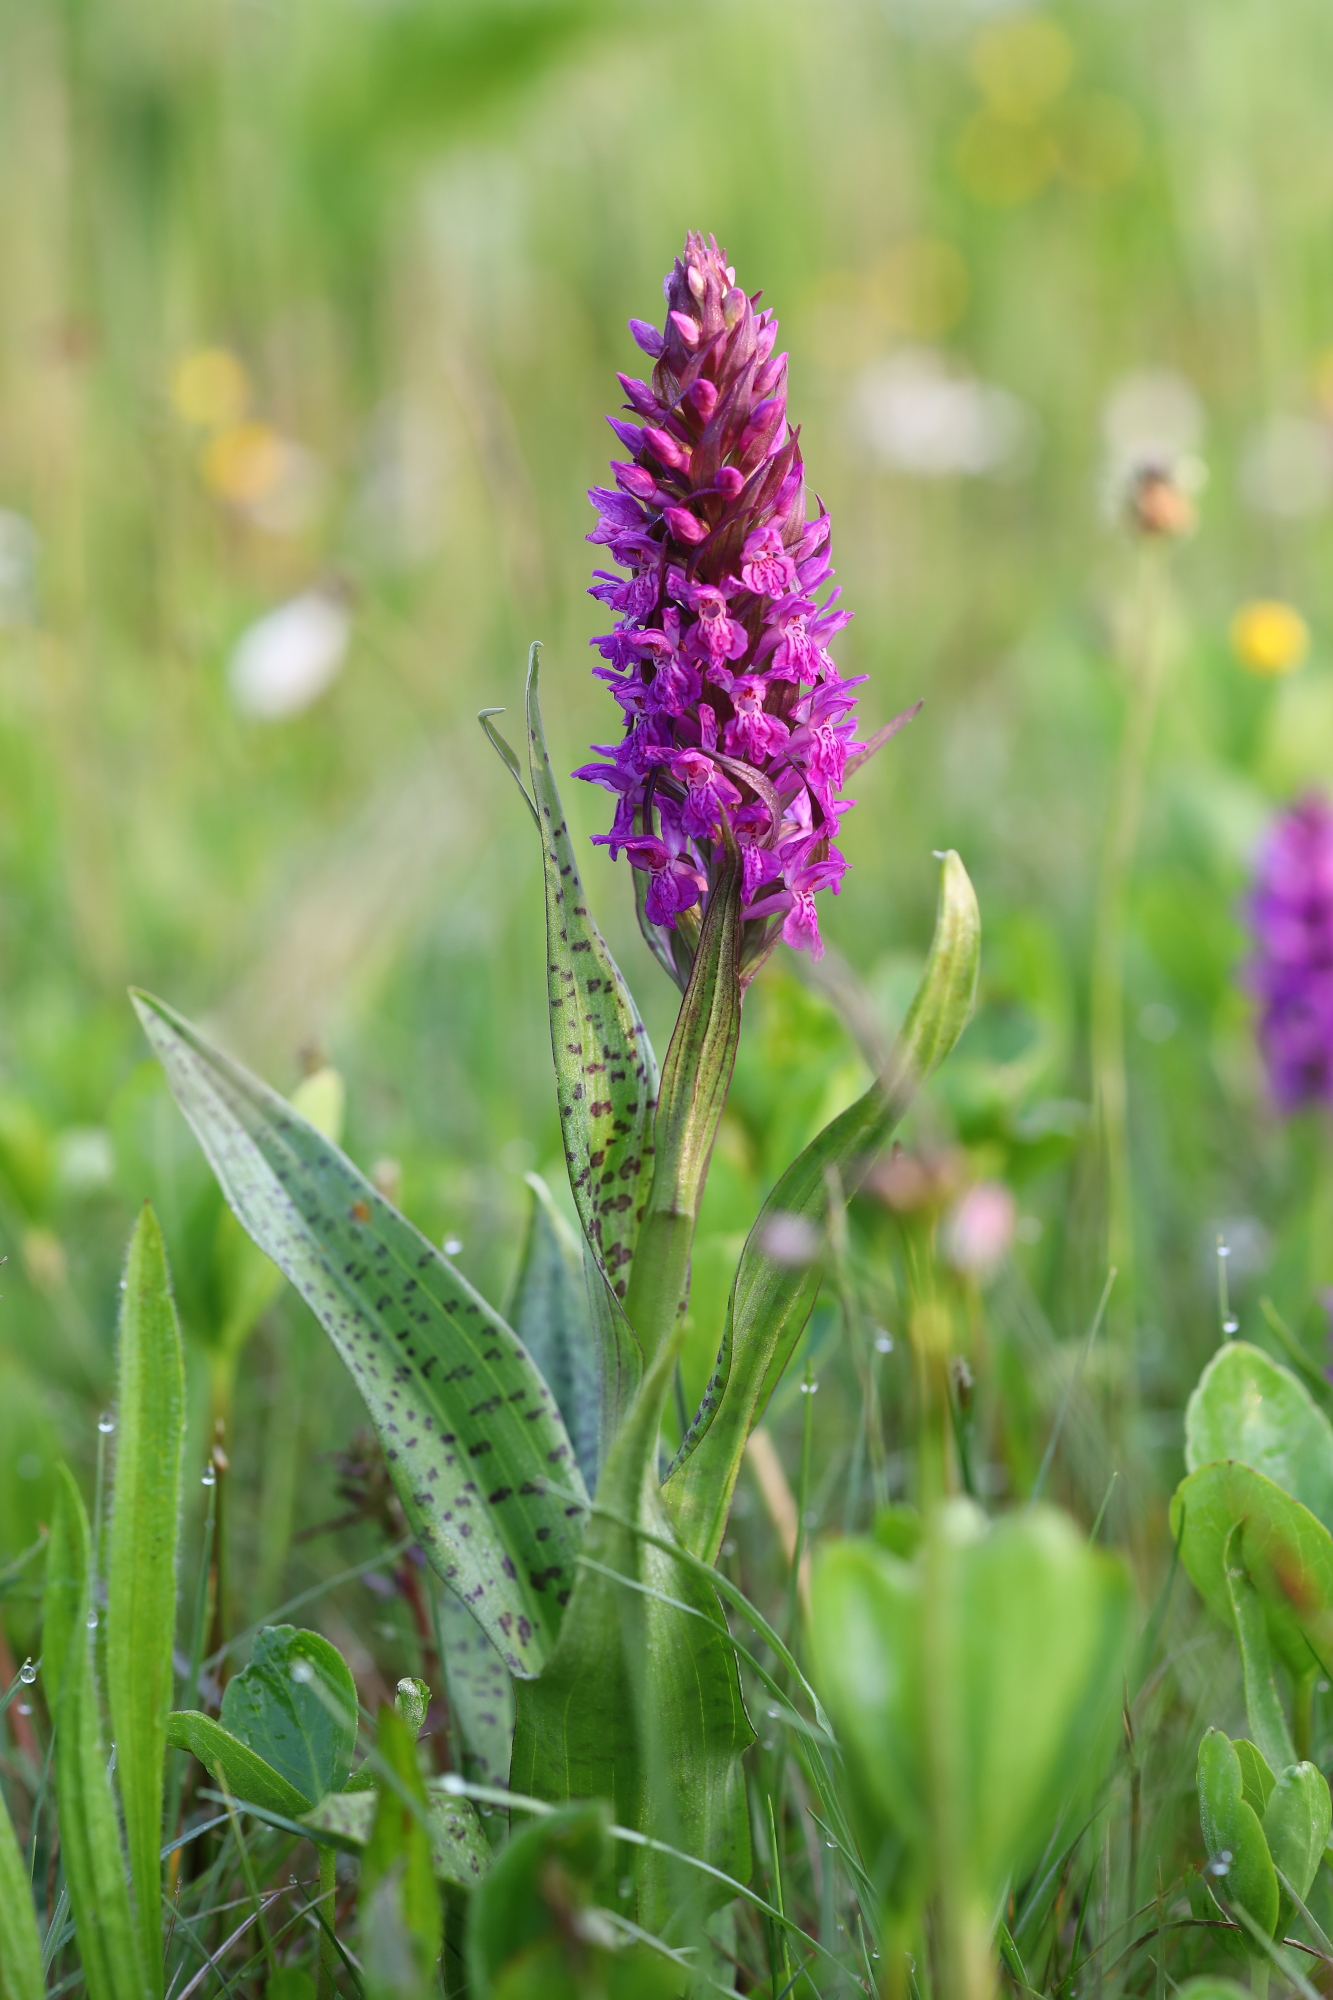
[
  {"x": 1291, "y": 972},
  {"x": 739, "y": 733}
]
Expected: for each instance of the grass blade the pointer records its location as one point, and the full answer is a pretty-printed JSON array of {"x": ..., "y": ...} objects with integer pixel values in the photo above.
[
  {"x": 89, "y": 1835},
  {"x": 141, "y": 1584},
  {"x": 20, "y": 1945}
]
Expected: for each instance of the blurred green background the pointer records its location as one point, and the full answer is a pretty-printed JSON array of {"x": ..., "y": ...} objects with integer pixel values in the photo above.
[{"x": 314, "y": 310}]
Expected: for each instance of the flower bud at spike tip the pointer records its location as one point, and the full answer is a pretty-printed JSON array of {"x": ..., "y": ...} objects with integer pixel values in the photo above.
[
  {"x": 736, "y": 718},
  {"x": 1291, "y": 972}
]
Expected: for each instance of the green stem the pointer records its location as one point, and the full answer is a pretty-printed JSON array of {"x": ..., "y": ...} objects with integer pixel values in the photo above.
[
  {"x": 1302, "y": 1704},
  {"x": 1123, "y": 817},
  {"x": 696, "y": 1077},
  {"x": 328, "y": 1956}
]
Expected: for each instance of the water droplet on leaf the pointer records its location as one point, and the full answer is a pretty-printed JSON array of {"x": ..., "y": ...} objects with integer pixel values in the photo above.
[
  {"x": 27, "y": 1673},
  {"x": 106, "y": 1423}
]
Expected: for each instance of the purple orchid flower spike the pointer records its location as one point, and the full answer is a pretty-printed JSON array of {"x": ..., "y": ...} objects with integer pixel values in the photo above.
[
  {"x": 1291, "y": 972},
  {"x": 738, "y": 727}
]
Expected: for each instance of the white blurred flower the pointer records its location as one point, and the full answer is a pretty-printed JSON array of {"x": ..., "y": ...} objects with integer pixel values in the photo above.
[
  {"x": 1152, "y": 414},
  {"x": 1286, "y": 467},
  {"x": 19, "y": 545},
  {"x": 286, "y": 660},
  {"x": 979, "y": 1229},
  {"x": 791, "y": 1239},
  {"x": 917, "y": 415}
]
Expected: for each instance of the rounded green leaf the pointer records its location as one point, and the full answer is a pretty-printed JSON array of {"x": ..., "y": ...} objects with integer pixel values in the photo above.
[
  {"x": 295, "y": 1706},
  {"x": 1296, "y": 1824},
  {"x": 247, "y": 1776},
  {"x": 1256, "y": 1778},
  {"x": 1288, "y": 1555},
  {"x": 1240, "y": 1864},
  {"x": 1247, "y": 1407}
]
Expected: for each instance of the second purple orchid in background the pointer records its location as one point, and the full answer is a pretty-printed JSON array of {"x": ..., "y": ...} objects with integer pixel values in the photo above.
[{"x": 739, "y": 729}]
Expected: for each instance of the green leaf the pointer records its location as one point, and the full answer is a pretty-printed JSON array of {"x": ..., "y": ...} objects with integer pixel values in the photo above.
[
  {"x": 295, "y": 1706},
  {"x": 1230, "y": 1827},
  {"x": 606, "y": 1074},
  {"x": 549, "y": 1313},
  {"x": 481, "y": 1694},
  {"x": 290, "y": 1982},
  {"x": 640, "y": 1702},
  {"x": 534, "y": 1932},
  {"x": 1263, "y": 1706},
  {"x": 94, "y": 1862},
  {"x": 470, "y": 1431},
  {"x": 21, "y": 1975},
  {"x": 400, "y": 1904},
  {"x": 460, "y": 1851},
  {"x": 1287, "y": 1554},
  {"x": 974, "y": 1690},
  {"x": 141, "y": 1583},
  {"x": 771, "y": 1300},
  {"x": 1296, "y": 1824},
  {"x": 246, "y": 1776},
  {"x": 1248, "y": 1407},
  {"x": 695, "y": 1080},
  {"x": 1256, "y": 1777}
]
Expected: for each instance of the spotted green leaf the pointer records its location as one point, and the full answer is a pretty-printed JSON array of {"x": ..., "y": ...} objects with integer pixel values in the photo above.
[
  {"x": 771, "y": 1299},
  {"x": 460, "y": 1851},
  {"x": 470, "y": 1431},
  {"x": 606, "y": 1075},
  {"x": 141, "y": 1582},
  {"x": 549, "y": 1313},
  {"x": 481, "y": 1694}
]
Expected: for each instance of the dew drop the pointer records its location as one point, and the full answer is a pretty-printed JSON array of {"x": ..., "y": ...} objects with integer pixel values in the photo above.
[
  {"x": 27, "y": 1673},
  {"x": 452, "y": 1245},
  {"x": 106, "y": 1423},
  {"x": 25, "y": 1708},
  {"x": 1224, "y": 1249},
  {"x": 210, "y": 1477},
  {"x": 774, "y": 1713},
  {"x": 301, "y": 1670},
  {"x": 874, "y": 1954},
  {"x": 883, "y": 1343},
  {"x": 92, "y": 1621},
  {"x": 830, "y": 1843},
  {"x": 1230, "y": 1325},
  {"x": 809, "y": 1388},
  {"x": 624, "y": 1888}
]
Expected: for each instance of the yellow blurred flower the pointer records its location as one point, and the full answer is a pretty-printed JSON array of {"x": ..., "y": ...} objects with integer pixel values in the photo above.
[
  {"x": 1003, "y": 163},
  {"x": 244, "y": 463},
  {"x": 1021, "y": 65},
  {"x": 211, "y": 388},
  {"x": 1269, "y": 637},
  {"x": 1100, "y": 140}
]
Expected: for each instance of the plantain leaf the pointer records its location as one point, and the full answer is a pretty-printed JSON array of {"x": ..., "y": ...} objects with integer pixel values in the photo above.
[
  {"x": 90, "y": 1845},
  {"x": 460, "y": 1851},
  {"x": 549, "y": 1313},
  {"x": 1296, "y": 1824},
  {"x": 295, "y": 1706},
  {"x": 640, "y": 1702},
  {"x": 481, "y": 1694},
  {"x": 771, "y": 1299},
  {"x": 606, "y": 1074},
  {"x": 1287, "y": 1554},
  {"x": 247, "y": 1775},
  {"x": 470, "y": 1431},
  {"x": 1248, "y": 1407},
  {"x": 141, "y": 1582},
  {"x": 21, "y": 1976}
]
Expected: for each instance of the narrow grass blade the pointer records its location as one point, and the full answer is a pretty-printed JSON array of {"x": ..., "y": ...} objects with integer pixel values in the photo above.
[
  {"x": 771, "y": 1300},
  {"x": 400, "y": 1904},
  {"x": 470, "y": 1430},
  {"x": 141, "y": 1584},
  {"x": 20, "y": 1945},
  {"x": 89, "y": 1835}
]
